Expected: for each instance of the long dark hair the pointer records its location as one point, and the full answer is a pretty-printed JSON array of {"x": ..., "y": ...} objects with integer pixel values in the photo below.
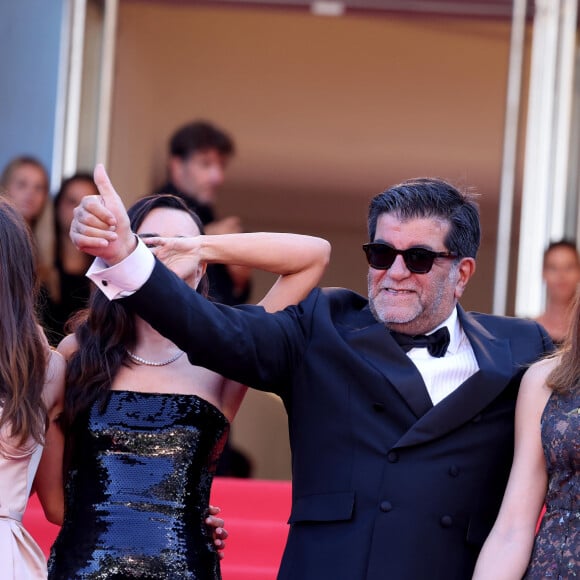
[
  {"x": 566, "y": 374},
  {"x": 105, "y": 330},
  {"x": 23, "y": 349}
]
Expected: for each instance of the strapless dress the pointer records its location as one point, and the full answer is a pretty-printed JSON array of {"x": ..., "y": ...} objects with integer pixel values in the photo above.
[{"x": 138, "y": 490}]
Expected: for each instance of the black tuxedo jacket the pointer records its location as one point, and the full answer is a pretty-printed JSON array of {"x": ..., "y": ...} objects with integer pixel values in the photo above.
[{"x": 385, "y": 485}]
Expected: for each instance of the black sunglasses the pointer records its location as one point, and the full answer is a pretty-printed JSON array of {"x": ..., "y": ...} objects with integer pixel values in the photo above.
[{"x": 418, "y": 260}]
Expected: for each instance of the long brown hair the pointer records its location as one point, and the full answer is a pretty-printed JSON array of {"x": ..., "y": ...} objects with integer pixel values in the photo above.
[
  {"x": 566, "y": 374},
  {"x": 105, "y": 330},
  {"x": 23, "y": 349}
]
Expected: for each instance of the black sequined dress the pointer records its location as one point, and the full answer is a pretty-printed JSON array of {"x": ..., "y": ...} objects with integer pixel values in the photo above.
[
  {"x": 557, "y": 547},
  {"x": 138, "y": 490}
]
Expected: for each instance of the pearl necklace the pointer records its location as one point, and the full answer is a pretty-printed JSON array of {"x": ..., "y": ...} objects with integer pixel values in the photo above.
[{"x": 151, "y": 363}]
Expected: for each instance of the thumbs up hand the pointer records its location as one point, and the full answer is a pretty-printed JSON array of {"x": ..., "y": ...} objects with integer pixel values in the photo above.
[{"x": 100, "y": 226}]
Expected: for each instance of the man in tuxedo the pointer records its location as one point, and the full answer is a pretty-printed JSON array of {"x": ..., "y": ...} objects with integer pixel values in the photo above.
[{"x": 400, "y": 406}]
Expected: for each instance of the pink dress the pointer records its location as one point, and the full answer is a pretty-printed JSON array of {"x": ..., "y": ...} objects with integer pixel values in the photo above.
[{"x": 20, "y": 556}]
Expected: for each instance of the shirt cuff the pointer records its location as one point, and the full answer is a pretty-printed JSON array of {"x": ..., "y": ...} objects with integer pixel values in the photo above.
[{"x": 126, "y": 277}]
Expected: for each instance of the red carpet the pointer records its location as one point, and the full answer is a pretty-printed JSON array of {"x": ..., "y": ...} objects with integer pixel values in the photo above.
[{"x": 255, "y": 512}]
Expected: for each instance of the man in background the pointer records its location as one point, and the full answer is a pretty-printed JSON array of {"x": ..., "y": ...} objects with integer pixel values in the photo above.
[{"x": 199, "y": 153}]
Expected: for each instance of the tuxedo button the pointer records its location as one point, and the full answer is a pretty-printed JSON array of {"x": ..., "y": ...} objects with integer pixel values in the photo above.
[
  {"x": 104, "y": 283},
  {"x": 393, "y": 457},
  {"x": 446, "y": 521},
  {"x": 379, "y": 407},
  {"x": 454, "y": 471},
  {"x": 386, "y": 506}
]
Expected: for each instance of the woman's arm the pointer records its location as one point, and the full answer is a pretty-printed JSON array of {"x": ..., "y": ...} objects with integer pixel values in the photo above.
[
  {"x": 299, "y": 260},
  {"x": 48, "y": 482},
  {"x": 507, "y": 550}
]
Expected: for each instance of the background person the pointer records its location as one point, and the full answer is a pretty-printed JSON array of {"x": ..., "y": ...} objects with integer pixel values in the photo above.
[
  {"x": 199, "y": 153},
  {"x": 25, "y": 182},
  {"x": 561, "y": 274},
  {"x": 69, "y": 287}
]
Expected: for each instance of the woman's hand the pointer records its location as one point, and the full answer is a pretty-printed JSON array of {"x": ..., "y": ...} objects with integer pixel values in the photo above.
[
  {"x": 181, "y": 255},
  {"x": 219, "y": 534}
]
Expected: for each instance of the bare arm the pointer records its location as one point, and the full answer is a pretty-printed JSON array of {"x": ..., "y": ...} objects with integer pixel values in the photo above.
[
  {"x": 299, "y": 260},
  {"x": 48, "y": 482},
  {"x": 240, "y": 275},
  {"x": 507, "y": 550}
]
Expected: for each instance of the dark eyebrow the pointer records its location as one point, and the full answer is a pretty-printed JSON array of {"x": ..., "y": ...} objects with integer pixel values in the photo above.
[
  {"x": 419, "y": 247},
  {"x": 147, "y": 235}
]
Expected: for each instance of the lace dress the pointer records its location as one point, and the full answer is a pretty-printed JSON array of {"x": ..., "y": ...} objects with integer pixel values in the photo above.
[
  {"x": 556, "y": 551},
  {"x": 138, "y": 492}
]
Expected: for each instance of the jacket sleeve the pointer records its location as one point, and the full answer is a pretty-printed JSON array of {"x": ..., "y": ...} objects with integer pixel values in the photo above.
[{"x": 242, "y": 343}]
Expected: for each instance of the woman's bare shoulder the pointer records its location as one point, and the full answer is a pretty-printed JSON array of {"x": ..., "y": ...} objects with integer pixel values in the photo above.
[
  {"x": 54, "y": 384},
  {"x": 68, "y": 346},
  {"x": 534, "y": 381},
  {"x": 541, "y": 369}
]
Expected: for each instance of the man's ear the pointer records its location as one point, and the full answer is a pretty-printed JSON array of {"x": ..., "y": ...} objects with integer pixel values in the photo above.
[
  {"x": 466, "y": 270},
  {"x": 174, "y": 166}
]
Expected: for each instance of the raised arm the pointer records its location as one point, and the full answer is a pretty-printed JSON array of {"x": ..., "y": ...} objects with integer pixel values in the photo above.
[
  {"x": 299, "y": 260},
  {"x": 48, "y": 482},
  {"x": 507, "y": 550}
]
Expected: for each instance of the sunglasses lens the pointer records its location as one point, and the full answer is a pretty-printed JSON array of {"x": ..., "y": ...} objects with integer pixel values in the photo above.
[
  {"x": 380, "y": 256},
  {"x": 419, "y": 261}
]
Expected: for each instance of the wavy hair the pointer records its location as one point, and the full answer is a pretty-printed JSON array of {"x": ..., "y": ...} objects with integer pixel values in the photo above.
[
  {"x": 566, "y": 374},
  {"x": 23, "y": 348},
  {"x": 105, "y": 330}
]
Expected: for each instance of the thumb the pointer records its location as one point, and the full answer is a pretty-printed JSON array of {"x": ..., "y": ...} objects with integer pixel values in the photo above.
[{"x": 110, "y": 197}]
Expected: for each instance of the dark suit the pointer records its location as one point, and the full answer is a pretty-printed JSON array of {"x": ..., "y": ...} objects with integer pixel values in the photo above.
[{"x": 385, "y": 485}]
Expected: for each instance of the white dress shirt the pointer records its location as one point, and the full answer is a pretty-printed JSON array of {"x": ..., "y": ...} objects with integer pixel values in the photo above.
[{"x": 459, "y": 362}]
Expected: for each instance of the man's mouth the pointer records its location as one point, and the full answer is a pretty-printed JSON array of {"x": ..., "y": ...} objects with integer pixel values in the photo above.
[{"x": 397, "y": 291}]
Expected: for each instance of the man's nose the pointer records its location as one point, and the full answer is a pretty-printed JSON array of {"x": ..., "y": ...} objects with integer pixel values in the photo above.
[
  {"x": 217, "y": 175},
  {"x": 398, "y": 268}
]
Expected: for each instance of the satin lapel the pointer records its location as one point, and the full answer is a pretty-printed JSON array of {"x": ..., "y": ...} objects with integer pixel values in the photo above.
[
  {"x": 495, "y": 372},
  {"x": 373, "y": 342}
]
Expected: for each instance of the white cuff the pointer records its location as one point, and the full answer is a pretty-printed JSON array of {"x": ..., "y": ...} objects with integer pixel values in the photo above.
[{"x": 126, "y": 277}]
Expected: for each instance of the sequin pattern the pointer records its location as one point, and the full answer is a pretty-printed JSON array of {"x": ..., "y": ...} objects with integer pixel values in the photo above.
[
  {"x": 138, "y": 492},
  {"x": 557, "y": 548}
]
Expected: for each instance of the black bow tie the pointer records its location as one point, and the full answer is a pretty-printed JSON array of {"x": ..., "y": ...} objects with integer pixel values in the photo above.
[{"x": 435, "y": 343}]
